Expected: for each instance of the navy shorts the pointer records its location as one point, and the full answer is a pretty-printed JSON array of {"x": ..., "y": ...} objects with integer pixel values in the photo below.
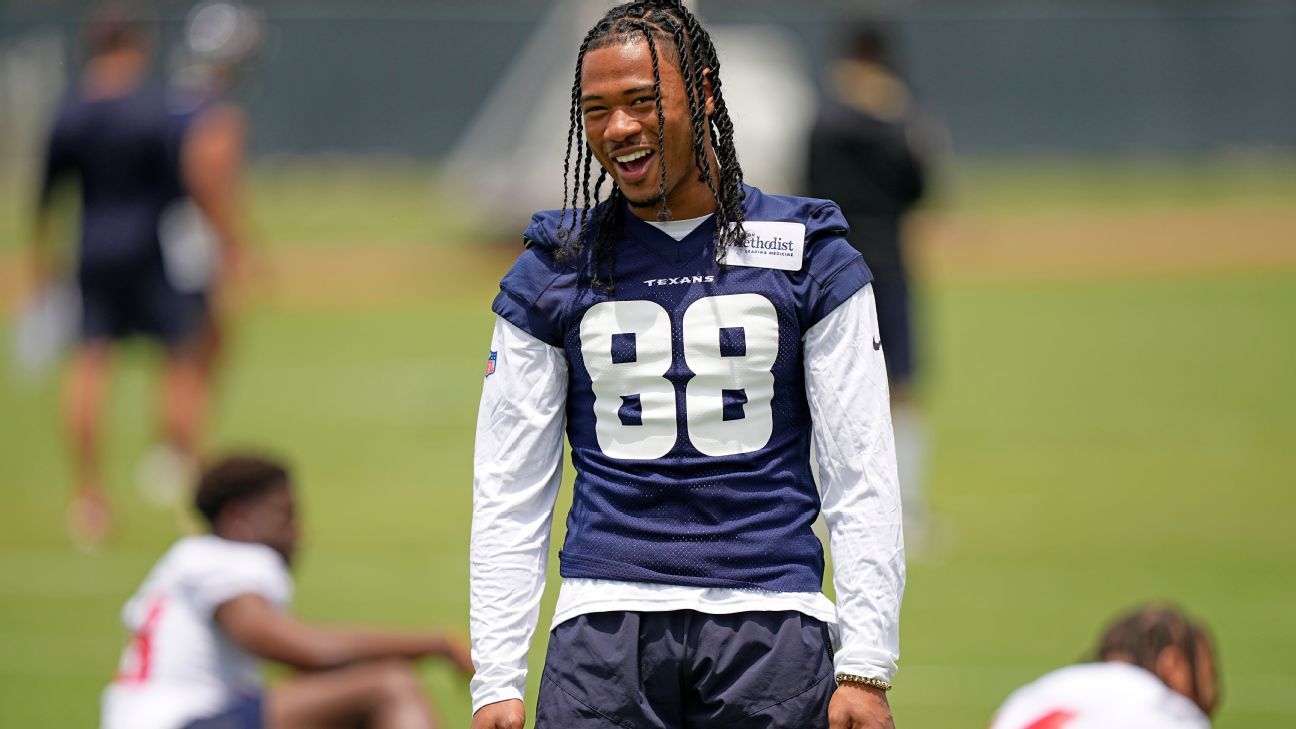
[
  {"x": 121, "y": 301},
  {"x": 683, "y": 669},
  {"x": 894, "y": 326},
  {"x": 246, "y": 714}
]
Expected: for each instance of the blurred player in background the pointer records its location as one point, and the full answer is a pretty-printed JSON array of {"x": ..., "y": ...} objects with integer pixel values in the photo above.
[
  {"x": 863, "y": 156},
  {"x": 113, "y": 137},
  {"x": 1156, "y": 670},
  {"x": 692, "y": 334},
  {"x": 215, "y": 605},
  {"x": 202, "y": 227},
  {"x": 158, "y": 174}
]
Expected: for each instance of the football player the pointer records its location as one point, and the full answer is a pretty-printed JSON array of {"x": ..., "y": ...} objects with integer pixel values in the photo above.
[
  {"x": 1155, "y": 670},
  {"x": 863, "y": 156},
  {"x": 690, "y": 334},
  {"x": 113, "y": 136},
  {"x": 202, "y": 226},
  {"x": 215, "y": 605}
]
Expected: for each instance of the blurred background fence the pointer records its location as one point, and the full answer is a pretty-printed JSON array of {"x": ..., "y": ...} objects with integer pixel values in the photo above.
[{"x": 1066, "y": 76}]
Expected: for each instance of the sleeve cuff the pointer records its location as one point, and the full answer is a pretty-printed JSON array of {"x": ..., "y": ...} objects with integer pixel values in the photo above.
[
  {"x": 494, "y": 696},
  {"x": 869, "y": 663}
]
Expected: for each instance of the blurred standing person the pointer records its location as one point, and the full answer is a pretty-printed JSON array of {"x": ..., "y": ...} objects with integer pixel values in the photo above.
[
  {"x": 202, "y": 230},
  {"x": 112, "y": 135},
  {"x": 862, "y": 156}
]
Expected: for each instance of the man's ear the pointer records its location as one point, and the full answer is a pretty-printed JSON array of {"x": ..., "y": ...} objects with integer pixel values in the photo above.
[
  {"x": 1173, "y": 668},
  {"x": 708, "y": 92}
]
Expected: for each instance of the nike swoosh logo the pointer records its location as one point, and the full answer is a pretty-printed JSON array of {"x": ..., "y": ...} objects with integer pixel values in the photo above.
[{"x": 877, "y": 343}]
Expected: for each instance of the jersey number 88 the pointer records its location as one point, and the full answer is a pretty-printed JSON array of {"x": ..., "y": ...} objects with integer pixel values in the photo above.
[{"x": 730, "y": 344}]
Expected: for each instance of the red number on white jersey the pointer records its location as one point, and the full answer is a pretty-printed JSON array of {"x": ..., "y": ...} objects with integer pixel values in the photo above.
[
  {"x": 1052, "y": 720},
  {"x": 135, "y": 663}
]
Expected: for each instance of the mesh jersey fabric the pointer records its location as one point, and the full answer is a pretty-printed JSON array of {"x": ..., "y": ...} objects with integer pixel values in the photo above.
[{"x": 736, "y": 514}]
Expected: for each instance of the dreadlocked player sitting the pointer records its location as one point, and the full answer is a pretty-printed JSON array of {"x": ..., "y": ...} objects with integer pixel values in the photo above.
[{"x": 690, "y": 333}]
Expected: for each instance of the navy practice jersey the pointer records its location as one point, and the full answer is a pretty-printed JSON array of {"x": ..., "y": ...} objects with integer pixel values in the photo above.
[
  {"x": 686, "y": 411},
  {"x": 121, "y": 150}
]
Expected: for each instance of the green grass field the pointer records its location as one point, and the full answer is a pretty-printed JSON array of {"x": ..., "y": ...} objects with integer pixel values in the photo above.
[{"x": 1098, "y": 441}]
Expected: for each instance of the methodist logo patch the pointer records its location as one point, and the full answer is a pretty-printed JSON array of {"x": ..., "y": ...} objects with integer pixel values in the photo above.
[
  {"x": 769, "y": 245},
  {"x": 490, "y": 363}
]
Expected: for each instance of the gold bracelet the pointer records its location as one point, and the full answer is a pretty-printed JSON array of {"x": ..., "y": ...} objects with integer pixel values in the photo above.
[{"x": 876, "y": 683}]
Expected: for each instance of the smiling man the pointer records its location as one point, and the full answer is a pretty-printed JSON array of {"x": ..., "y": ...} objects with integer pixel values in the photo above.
[{"x": 690, "y": 334}]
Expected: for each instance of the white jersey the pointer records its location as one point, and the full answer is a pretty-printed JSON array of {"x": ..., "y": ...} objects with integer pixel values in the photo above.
[
  {"x": 179, "y": 665},
  {"x": 1099, "y": 696}
]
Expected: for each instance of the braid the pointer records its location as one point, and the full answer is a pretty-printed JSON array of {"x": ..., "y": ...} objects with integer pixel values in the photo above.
[
  {"x": 576, "y": 125},
  {"x": 571, "y": 132},
  {"x": 598, "y": 184},
  {"x": 1140, "y": 636},
  {"x": 586, "y": 161},
  {"x": 663, "y": 212},
  {"x": 667, "y": 26},
  {"x": 697, "y": 110},
  {"x": 610, "y": 228},
  {"x": 729, "y": 193}
]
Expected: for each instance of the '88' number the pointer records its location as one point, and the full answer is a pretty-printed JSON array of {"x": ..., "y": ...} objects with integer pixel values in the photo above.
[{"x": 730, "y": 344}]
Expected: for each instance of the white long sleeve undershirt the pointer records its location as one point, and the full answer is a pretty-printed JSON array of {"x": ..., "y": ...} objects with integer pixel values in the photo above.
[{"x": 518, "y": 469}]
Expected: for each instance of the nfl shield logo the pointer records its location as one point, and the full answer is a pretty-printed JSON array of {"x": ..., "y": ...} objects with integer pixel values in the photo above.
[{"x": 490, "y": 363}]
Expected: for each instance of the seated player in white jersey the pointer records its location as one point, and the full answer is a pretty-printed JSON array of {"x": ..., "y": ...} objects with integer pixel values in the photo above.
[
  {"x": 215, "y": 605},
  {"x": 1156, "y": 670}
]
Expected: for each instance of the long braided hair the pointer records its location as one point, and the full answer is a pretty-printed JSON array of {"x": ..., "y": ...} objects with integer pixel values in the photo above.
[
  {"x": 668, "y": 28},
  {"x": 1139, "y": 637}
]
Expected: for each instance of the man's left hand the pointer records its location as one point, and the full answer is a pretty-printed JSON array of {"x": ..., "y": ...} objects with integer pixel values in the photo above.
[{"x": 854, "y": 706}]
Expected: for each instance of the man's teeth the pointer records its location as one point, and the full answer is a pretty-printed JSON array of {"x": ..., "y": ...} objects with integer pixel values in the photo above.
[{"x": 627, "y": 159}]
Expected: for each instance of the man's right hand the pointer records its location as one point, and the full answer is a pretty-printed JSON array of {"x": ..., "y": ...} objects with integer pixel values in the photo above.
[{"x": 508, "y": 714}]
